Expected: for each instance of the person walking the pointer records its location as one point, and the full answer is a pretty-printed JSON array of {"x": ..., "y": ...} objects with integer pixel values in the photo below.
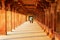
[{"x": 31, "y": 19}]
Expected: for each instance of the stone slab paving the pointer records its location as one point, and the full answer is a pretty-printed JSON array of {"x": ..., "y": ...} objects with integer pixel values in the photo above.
[{"x": 26, "y": 31}]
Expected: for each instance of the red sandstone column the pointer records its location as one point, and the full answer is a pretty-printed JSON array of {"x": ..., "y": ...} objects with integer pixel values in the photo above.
[
  {"x": 45, "y": 17},
  {"x": 16, "y": 19},
  {"x": 3, "y": 28},
  {"x": 13, "y": 19},
  {"x": 19, "y": 19},
  {"x": 9, "y": 15}
]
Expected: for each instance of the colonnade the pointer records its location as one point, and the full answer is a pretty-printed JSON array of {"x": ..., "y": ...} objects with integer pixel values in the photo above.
[
  {"x": 50, "y": 20},
  {"x": 9, "y": 18}
]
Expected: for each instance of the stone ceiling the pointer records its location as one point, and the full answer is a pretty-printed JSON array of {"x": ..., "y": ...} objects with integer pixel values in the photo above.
[{"x": 28, "y": 5}]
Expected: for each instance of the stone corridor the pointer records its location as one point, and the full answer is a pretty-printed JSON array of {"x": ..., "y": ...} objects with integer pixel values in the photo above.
[{"x": 16, "y": 14}]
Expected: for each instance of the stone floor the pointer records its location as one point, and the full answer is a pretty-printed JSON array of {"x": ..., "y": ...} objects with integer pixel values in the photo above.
[{"x": 26, "y": 31}]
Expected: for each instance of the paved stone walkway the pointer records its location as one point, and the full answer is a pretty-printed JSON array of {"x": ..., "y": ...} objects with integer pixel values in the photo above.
[{"x": 26, "y": 31}]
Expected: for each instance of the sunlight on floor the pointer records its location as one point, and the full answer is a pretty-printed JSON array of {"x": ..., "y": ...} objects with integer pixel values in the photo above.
[{"x": 27, "y": 31}]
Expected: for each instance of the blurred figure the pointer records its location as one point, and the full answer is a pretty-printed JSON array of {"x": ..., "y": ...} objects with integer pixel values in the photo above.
[{"x": 31, "y": 19}]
